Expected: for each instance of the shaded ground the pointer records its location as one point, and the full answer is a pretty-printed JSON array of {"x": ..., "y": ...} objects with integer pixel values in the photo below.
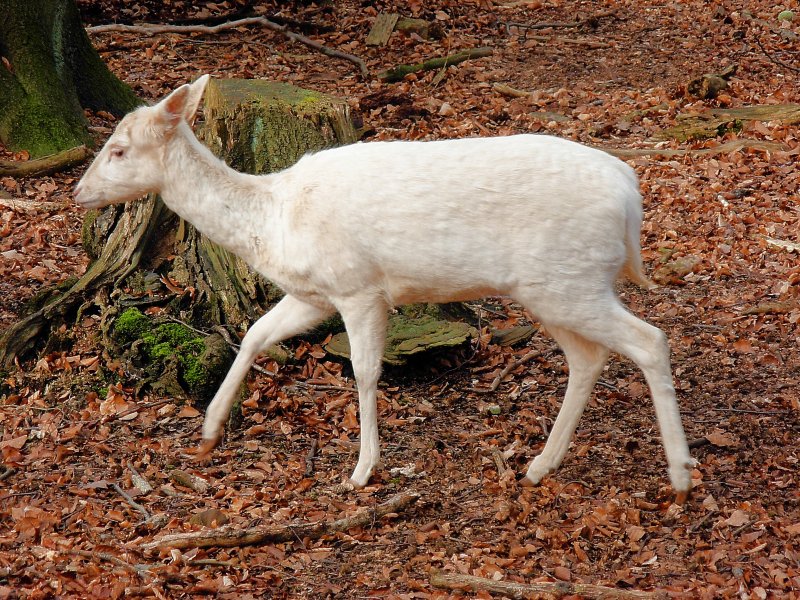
[{"x": 606, "y": 516}]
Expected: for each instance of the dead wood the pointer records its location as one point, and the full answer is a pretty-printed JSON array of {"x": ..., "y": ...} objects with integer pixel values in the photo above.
[
  {"x": 135, "y": 505},
  {"x": 138, "y": 480},
  {"x": 716, "y": 122},
  {"x": 263, "y": 21},
  {"x": 507, "y": 90},
  {"x": 382, "y": 29},
  {"x": 399, "y": 72},
  {"x": 510, "y": 367},
  {"x": 708, "y": 86},
  {"x": 592, "y": 22},
  {"x": 193, "y": 482},
  {"x": 525, "y": 591},
  {"x": 30, "y": 207},
  {"x": 425, "y": 29},
  {"x": 230, "y": 537},
  {"x": 591, "y": 44},
  {"x": 731, "y": 146},
  {"x": 45, "y": 165}
]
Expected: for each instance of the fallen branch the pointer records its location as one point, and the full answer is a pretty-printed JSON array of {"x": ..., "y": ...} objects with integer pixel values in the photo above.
[
  {"x": 730, "y": 146},
  {"x": 457, "y": 581},
  {"x": 399, "y": 72},
  {"x": 189, "y": 480},
  {"x": 229, "y": 537},
  {"x": 263, "y": 21},
  {"x": 127, "y": 497},
  {"x": 310, "y": 459},
  {"x": 45, "y": 165},
  {"x": 510, "y": 367},
  {"x": 30, "y": 207},
  {"x": 594, "y": 45},
  {"x": 138, "y": 480}
]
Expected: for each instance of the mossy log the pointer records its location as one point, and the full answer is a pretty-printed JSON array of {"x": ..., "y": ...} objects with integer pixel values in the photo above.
[
  {"x": 399, "y": 72},
  {"x": 718, "y": 121},
  {"x": 46, "y": 165}
]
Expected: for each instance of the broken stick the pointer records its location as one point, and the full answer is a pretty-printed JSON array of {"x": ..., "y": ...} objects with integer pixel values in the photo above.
[
  {"x": 556, "y": 589},
  {"x": 229, "y": 537}
]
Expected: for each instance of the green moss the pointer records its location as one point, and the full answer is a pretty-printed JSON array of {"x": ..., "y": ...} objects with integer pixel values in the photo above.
[
  {"x": 131, "y": 325},
  {"x": 173, "y": 352}
]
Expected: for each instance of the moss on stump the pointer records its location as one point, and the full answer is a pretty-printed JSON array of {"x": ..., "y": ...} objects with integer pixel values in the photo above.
[{"x": 172, "y": 358}]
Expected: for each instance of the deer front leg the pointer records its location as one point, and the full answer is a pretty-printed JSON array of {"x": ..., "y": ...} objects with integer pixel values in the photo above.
[
  {"x": 365, "y": 320},
  {"x": 291, "y": 316}
]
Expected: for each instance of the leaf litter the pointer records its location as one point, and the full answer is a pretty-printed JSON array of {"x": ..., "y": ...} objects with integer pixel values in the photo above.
[{"x": 75, "y": 515}]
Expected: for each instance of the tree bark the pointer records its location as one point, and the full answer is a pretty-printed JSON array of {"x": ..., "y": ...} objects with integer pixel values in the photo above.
[{"x": 49, "y": 73}]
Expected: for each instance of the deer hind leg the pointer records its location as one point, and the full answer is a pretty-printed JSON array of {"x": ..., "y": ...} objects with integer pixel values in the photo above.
[{"x": 586, "y": 360}]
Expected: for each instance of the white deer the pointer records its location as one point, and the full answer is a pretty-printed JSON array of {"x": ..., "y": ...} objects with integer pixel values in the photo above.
[{"x": 361, "y": 228}]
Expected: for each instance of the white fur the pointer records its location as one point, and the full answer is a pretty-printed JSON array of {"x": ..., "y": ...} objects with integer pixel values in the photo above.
[{"x": 361, "y": 228}]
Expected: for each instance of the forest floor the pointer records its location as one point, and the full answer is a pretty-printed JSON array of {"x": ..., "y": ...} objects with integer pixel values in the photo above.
[{"x": 720, "y": 234}]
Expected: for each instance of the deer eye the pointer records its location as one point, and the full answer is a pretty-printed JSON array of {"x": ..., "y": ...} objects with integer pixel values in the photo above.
[{"x": 117, "y": 153}]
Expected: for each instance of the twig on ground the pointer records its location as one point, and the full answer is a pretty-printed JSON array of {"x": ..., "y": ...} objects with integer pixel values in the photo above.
[
  {"x": 263, "y": 21},
  {"x": 777, "y": 61},
  {"x": 507, "y": 90},
  {"x": 310, "y": 459},
  {"x": 125, "y": 496},
  {"x": 45, "y": 165},
  {"x": 458, "y": 581},
  {"x": 7, "y": 472},
  {"x": 230, "y": 537},
  {"x": 235, "y": 347},
  {"x": 510, "y": 367},
  {"x": 141, "y": 570},
  {"x": 592, "y": 21}
]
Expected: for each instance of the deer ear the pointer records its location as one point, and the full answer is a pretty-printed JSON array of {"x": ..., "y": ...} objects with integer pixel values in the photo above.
[
  {"x": 195, "y": 96},
  {"x": 171, "y": 109}
]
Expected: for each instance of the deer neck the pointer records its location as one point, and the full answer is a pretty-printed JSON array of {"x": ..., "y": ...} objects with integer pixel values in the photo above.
[{"x": 232, "y": 209}]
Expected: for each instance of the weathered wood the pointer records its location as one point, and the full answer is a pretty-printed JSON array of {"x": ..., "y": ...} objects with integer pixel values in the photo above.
[
  {"x": 272, "y": 534},
  {"x": 46, "y": 164},
  {"x": 407, "y": 336},
  {"x": 119, "y": 257},
  {"x": 718, "y": 121},
  {"x": 382, "y": 29},
  {"x": 729, "y": 146},
  {"x": 399, "y": 72},
  {"x": 527, "y": 591},
  {"x": 425, "y": 29}
]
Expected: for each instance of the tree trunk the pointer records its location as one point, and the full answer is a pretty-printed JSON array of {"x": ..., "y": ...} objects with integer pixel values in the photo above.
[{"x": 49, "y": 72}]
